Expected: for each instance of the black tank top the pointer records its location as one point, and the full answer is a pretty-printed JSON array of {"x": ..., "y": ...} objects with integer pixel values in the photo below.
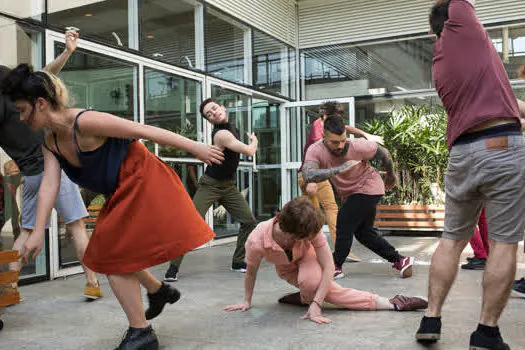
[{"x": 227, "y": 170}]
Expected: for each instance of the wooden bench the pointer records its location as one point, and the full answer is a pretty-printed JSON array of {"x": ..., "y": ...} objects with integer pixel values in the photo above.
[
  {"x": 410, "y": 217},
  {"x": 93, "y": 211},
  {"x": 8, "y": 297}
]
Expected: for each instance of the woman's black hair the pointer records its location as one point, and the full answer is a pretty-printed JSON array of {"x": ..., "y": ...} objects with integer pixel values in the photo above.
[{"x": 22, "y": 83}]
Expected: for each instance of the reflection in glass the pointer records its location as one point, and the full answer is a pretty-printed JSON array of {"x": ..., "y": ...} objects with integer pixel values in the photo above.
[
  {"x": 366, "y": 110},
  {"x": 350, "y": 70},
  {"x": 106, "y": 20},
  {"x": 267, "y": 193},
  {"x": 266, "y": 125},
  {"x": 100, "y": 82},
  {"x": 168, "y": 31},
  {"x": 273, "y": 65},
  {"x": 172, "y": 103},
  {"x": 512, "y": 52},
  {"x": 224, "y": 41}
]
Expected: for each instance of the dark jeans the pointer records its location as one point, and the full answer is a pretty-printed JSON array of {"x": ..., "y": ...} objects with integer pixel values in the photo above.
[
  {"x": 226, "y": 193},
  {"x": 356, "y": 217}
]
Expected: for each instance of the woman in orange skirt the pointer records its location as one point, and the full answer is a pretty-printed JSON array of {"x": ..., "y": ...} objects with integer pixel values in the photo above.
[{"x": 135, "y": 229}]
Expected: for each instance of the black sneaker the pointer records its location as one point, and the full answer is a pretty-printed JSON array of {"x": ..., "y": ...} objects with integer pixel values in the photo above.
[
  {"x": 479, "y": 341},
  {"x": 518, "y": 288},
  {"x": 474, "y": 264},
  {"x": 470, "y": 258},
  {"x": 157, "y": 301},
  {"x": 429, "y": 330},
  {"x": 172, "y": 274},
  {"x": 239, "y": 267},
  {"x": 139, "y": 338}
]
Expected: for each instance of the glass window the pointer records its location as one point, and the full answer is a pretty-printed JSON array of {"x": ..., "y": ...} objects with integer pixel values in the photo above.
[
  {"x": 366, "y": 110},
  {"x": 267, "y": 190},
  {"x": 511, "y": 50},
  {"x": 272, "y": 65},
  {"x": 100, "y": 82},
  {"x": 168, "y": 31},
  {"x": 172, "y": 103},
  {"x": 266, "y": 125},
  {"x": 349, "y": 70},
  {"x": 224, "y": 41},
  {"x": 28, "y": 9},
  {"x": 105, "y": 20}
]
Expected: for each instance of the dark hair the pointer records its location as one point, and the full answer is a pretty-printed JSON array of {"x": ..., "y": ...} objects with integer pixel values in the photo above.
[
  {"x": 4, "y": 71},
  {"x": 300, "y": 218},
  {"x": 204, "y": 103},
  {"x": 22, "y": 83},
  {"x": 335, "y": 124},
  {"x": 438, "y": 16},
  {"x": 331, "y": 108}
]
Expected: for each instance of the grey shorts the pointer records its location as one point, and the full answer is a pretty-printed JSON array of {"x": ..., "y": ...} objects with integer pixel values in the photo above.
[
  {"x": 491, "y": 173},
  {"x": 69, "y": 204}
]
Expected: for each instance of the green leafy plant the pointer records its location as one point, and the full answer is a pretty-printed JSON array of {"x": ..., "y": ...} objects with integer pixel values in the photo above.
[{"x": 416, "y": 138}]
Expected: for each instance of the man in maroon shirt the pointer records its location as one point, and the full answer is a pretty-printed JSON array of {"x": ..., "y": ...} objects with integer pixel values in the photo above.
[{"x": 486, "y": 166}]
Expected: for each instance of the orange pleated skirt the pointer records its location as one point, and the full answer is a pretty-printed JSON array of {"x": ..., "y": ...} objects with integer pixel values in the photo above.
[{"x": 149, "y": 220}]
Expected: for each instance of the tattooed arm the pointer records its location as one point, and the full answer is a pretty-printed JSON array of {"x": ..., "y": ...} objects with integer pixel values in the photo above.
[
  {"x": 387, "y": 164},
  {"x": 312, "y": 173}
]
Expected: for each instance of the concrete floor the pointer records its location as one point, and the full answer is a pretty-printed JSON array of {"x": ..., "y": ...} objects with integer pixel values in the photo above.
[{"x": 54, "y": 314}]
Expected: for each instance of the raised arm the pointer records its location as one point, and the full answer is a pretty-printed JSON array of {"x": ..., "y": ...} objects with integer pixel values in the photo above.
[
  {"x": 107, "y": 125},
  {"x": 360, "y": 133},
  {"x": 47, "y": 194},
  {"x": 71, "y": 44},
  {"x": 225, "y": 139},
  {"x": 312, "y": 173},
  {"x": 387, "y": 164}
]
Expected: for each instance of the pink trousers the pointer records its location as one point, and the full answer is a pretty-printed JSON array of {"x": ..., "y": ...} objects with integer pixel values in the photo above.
[
  {"x": 480, "y": 241},
  {"x": 308, "y": 277}
]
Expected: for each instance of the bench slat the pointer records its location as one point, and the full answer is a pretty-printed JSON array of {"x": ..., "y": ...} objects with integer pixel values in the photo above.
[
  {"x": 8, "y": 256},
  {"x": 384, "y": 215},
  {"x": 9, "y": 299},
  {"x": 433, "y": 224},
  {"x": 407, "y": 207},
  {"x": 8, "y": 277}
]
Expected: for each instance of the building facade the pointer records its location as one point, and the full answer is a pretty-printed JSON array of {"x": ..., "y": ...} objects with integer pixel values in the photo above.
[{"x": 270, "y": 62}]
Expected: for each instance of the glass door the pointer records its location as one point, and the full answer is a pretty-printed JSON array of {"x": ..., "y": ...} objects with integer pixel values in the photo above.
[{"x": 295, "y": 128}]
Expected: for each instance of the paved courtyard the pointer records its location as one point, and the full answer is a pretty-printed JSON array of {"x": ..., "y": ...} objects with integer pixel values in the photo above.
[{"x": 55, "y": 315}]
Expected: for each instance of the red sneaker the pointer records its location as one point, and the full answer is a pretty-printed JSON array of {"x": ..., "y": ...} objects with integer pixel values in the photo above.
[
  {"x": 404, "y": 265},
  {"x": 338, "y": 273},
  {"x": 403, "y": 303}
]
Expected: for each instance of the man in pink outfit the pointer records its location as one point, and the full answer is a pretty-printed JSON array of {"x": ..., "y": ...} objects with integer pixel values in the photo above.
[{"x": 294, "y": 243}]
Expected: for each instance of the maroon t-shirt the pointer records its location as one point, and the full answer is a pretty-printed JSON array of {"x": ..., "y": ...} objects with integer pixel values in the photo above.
[{"x": 468, "y": 73}]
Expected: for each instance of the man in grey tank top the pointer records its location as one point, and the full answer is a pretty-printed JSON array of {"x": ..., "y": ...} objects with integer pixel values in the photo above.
[
  {"x": 218, "y": 183},
  {"x": 23, "y": 145}
]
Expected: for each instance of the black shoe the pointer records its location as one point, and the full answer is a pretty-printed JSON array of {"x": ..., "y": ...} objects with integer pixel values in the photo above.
[
  {"x": 292, "y": 299},
  {"x": 239, "y": 267},
  {"x": 474, "y": 264},
  {"x": 470, "y": 258},
  {"x": 518, "y": 288},
  {"x": 139, "y": 339},
  {"x": 157, "y": 301},
  {"x": 172, "y": 274},
  {"x": 429, "y": 330},
  {"x": 479, "y": 341}
]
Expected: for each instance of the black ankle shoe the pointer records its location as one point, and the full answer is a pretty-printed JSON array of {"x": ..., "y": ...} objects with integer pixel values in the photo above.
[
  {"x": 292, "y": 299},
  {"x": 166, "y": 294},
  {"x": 430, "y": 330},
  {"x": 479, "y": 341},
  {"x": 139, "y": 339}
]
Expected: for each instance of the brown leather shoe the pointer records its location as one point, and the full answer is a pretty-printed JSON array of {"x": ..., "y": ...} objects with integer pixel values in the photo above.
[
  {"x": 292, "y": 299},
  {"x": 403, "y": 303}
]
